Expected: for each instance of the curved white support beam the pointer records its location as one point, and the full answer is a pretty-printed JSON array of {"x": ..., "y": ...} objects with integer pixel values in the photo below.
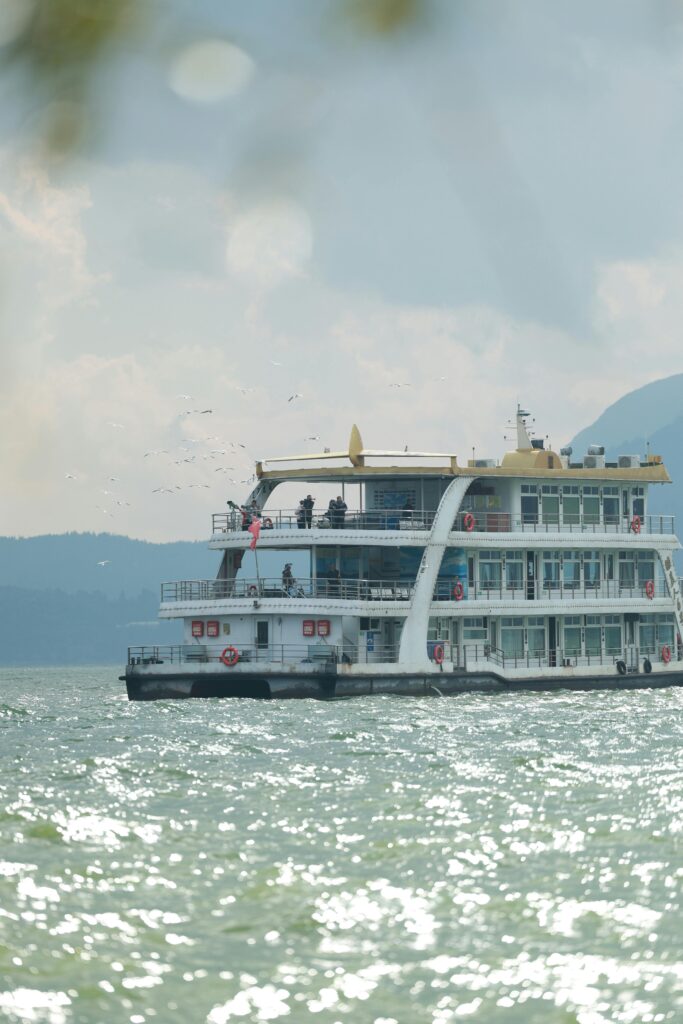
[{"x": 413, "y": 649}]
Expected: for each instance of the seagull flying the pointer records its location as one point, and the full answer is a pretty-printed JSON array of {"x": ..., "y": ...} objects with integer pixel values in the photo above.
[
  {"x": 105, "y": 562},
  {"x": 185, "y": 398},
  {"x": 294, "y": 396},
  {"x": 69, "y": 476}
]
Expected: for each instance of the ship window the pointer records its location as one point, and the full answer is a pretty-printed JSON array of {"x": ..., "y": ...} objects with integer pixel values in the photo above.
[
  {"x": 647, "y": 634},
  {"x": 571, "y": 569},
  {"x": 610, "y": 505},
  {"x": 572, "y": 636},
  {"x": 593, "y": 636},
  {"x": 536, "y": 636},
  {"x": 490, "y": 569},
  {"x": 612, "y": 635},
  {"x": 514, "y": 570},
  {"x": 591, "y": 569},
  {"x": 665, "y": 631},
  {"x": 571, "y": 507},
  {"x": 368, "y": 624},
  {"x": 646, "y": 567},
  {"x": 474, "y": 629},
  {"x": 627, "y": 570},
  {"x": 551, "y": 569},
  {"x": 512, "y": 637},
  {"x": 591, "y": 505},
  {"x": 529, "y": 489},
  {"x": 570, "y": 489}
]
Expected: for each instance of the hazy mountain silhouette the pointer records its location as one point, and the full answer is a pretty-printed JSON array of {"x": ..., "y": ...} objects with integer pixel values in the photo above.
[{"x": 651, "y": 415}]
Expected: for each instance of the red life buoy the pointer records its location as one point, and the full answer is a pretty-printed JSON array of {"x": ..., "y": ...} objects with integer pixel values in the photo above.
[
  {"x": 438, "y": 654},
  {"x": 230, "y": 656},
  {"x": 650, "y": 589},
  {"x": 468, "y": 521},
  {"x": 252, "y": 591},
  {"x": 636, "y": 524},
  {"x": 458, "y": 591},
  {"x": 267, "y": 523},
  {"x": 666, "y": 654}
]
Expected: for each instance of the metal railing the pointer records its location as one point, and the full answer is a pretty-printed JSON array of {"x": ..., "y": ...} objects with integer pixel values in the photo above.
[
  {"x": 315, "y": 653},
  {"x": 467, "y": 521},
  {"x": 266, "y": 588},
  {"x": 287, "y": 519},
  {"x": 477, "y": 656},
  {"x": 547, "y": 590},
  {"x": 506, "y": 522},
  {"x": 263, "y": 588},
  {"x": 323, "y": 656}
]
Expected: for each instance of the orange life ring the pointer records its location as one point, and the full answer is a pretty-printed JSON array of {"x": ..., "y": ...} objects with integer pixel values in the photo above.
[
  {"x": 650, "y": 589},
  {"x": 267, "y": 523},
  {"x": 458, "y": 590},
  {"x": 636, "y": 524},
  {"x": 666, "y": 654},
  {"x": 468, "y": 521},
  {"x": 230, "y": 656},
  {"x": 252, "y": 591},
  {"x": 437, "y": 654}
]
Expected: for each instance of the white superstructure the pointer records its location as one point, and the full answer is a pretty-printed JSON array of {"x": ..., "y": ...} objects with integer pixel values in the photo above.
[{"x": 536, "y": 568}]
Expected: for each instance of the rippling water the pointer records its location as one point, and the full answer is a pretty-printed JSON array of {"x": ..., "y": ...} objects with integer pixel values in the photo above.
[{"x": 477, "y": 858}]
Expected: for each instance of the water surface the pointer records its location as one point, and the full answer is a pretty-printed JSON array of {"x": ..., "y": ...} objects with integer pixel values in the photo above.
[{"x": 508, "y": 858}]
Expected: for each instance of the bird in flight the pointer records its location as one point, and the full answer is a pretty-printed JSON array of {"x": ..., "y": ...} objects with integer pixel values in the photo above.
[
  {"x": 69, "y": 476},
  {"x": 315, "y": 437},
  {"x": 294, "y": 396},
  {"x": 155, "y": 451},
  {"x": 185, "y": 398},
  {"x": 274, "y": 363},
  {"x": 398, "y": 385},
  {"x": 105, "y": 562}
]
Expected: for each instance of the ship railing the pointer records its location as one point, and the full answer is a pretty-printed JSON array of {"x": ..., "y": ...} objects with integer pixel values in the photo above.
[
  {"x": 314, "y": 653},
  {"x": 468, "y": 521},
  {"x": 476, "y": 656},
  {"x": 274, "y": 587},
  {"x": 287, "y": 519},
  {"x": 458, "y": 590}
]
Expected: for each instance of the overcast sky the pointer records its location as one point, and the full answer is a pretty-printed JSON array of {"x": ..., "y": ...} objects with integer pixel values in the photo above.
[{"x": 485, "y": 206}]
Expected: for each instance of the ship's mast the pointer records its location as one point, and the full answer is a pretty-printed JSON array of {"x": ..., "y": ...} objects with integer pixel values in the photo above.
[{"x": 523, "y": 439}]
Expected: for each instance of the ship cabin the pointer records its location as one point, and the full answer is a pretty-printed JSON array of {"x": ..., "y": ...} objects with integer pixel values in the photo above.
[{"x": 541, "y": 561}]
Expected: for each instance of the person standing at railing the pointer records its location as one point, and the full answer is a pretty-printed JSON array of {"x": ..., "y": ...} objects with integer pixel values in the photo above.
[
  {"x": 301, "y": 516},
  {"x": 338, "y": 509},
  {"x": 288, "y": 581},
  {"x": 335, "y": 583},
  {"x": 308, "y": 504}
]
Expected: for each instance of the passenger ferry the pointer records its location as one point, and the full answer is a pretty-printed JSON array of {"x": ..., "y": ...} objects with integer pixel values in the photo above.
[{"x": 535, "y": 572}]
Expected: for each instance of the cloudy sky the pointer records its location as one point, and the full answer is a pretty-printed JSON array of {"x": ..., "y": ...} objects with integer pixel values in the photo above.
[{"x": 484, "y": 205}]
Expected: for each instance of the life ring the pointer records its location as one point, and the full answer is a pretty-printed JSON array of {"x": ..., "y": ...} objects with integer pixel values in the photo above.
[
  {"x": 267, "y": 523},
  {"x": 468, "y": 521},
  {"x": 458, "y": 591},
  {"x": 666, "y": 654},
  {"x": 230, "y": 656},
  {"x": 636, "y": 524},
  {"x": 252, "y": 591},
  {"x": 650, "y": 589},
  {"x": 621, "y": 668},
  {"x": 437, "y": 654}
]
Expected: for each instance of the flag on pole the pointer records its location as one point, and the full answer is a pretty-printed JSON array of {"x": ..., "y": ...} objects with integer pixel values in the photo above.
[{"x": 254, "y": 529}]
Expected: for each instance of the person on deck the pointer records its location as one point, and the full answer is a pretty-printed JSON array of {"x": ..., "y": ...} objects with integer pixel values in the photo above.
[
  {"x": 339, "y": 513},
  {"x": 308, "y": 504},
  {"x": 301, "y": 516}
]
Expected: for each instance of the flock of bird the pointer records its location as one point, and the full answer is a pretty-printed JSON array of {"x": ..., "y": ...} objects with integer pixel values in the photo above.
[{"x": 191, "y": 452}]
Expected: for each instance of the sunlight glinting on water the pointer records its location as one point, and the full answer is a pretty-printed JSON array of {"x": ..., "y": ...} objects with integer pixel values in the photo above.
[{"x": 508, "y": 858}]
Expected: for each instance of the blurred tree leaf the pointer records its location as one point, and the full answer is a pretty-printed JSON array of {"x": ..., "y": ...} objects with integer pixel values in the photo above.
[{"x": 384, "y": 16}]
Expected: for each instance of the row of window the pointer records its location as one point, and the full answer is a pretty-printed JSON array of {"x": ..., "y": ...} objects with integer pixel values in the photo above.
[
  {"x": 576, "y": 635},
  {"x": 569, "y": 568}
]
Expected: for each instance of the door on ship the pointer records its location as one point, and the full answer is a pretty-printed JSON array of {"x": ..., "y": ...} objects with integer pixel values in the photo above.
[
  {"x": 552, "y": 642},
  {"x": 262, "y": 638},
  {"x": 530, "y": 575}
]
